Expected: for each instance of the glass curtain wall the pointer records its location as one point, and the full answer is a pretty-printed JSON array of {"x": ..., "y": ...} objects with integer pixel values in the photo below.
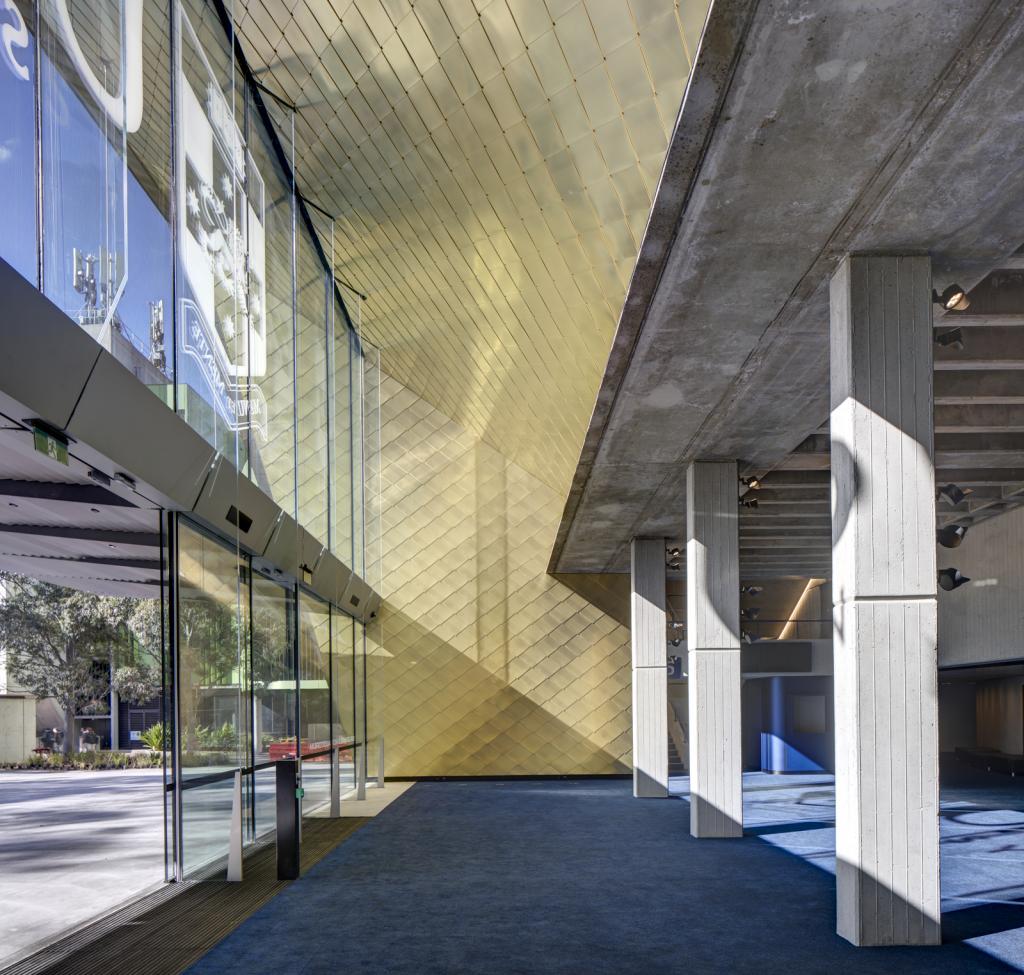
[
  {"x": 264, "y": 673},
  {"x": 152, "y": 196}
]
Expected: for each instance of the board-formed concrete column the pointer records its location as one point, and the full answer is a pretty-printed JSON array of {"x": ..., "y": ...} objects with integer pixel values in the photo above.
[
  {"x": 713, "y": 649},
  {"x": 650, "y": 674},
  {"x": 884, "y": 607}
]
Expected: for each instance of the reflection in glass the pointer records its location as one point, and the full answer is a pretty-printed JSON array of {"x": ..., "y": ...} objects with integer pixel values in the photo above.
[
  {"x": 143, "y": 339},
  {"x": 311, "y": 410},
  {"x": 83, "y": 91},
  {"x": 272, "y": 442},
  {"x": 356, "y": 426},
  {"x": 221, "y": 323},
  {"x": 19, "y": 239},
  {"x": 213, "y": 695},
  {"x": 273, "y": 681},
  {"x": 341, "y": 437}
]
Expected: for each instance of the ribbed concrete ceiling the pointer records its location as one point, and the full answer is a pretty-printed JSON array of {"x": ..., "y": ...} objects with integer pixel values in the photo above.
[{"x": 491, "y": 165}]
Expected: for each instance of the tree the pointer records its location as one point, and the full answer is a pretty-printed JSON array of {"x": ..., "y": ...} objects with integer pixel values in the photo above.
[{"x": 54, "y": 638}]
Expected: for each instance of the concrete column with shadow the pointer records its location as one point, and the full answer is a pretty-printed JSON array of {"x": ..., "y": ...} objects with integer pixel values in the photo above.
[
  {"x": 650, "y": 674},
  {"x": 884, "y": 601},
  {"x": 713, "y": 649}
]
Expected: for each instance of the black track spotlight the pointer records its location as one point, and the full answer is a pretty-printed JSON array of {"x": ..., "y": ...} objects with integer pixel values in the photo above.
[
  {"x": 748, "y": 502},
  {"x": 954, "y": 494},
  {"x": 951, "y": 339},
  {"x": 674, "y": 564},
  {"x": 953, "y": 298},
  {"x": 751, "y": 590},
  {"x": 751, "y": 613},
  {"x": 676, "y": 640},
  {"x": 748, "y": 637},
  {"x": 674, "y": 552},
  {"x": 950, "y": 579},
  {"x": 753, "y": 483},
  {"x": 950, "y": 536}
]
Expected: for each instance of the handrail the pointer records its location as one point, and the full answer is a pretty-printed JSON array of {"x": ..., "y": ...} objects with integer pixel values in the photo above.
[{"x": 197, "y": 781}]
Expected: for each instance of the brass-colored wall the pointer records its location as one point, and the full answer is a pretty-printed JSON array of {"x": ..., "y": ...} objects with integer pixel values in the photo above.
[{"x": 482, "y": 663}]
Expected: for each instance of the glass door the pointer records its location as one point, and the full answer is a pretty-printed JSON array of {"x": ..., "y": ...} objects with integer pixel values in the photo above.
[
  {"x": 274, "y": 692},
  {"x": 213, "y": 695}
]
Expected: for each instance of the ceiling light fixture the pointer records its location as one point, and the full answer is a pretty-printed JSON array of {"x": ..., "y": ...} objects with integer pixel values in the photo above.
[
  {"x": 748, "y": 502},
  {"x": 750, "y": 614},
  {"x": 953, "y": 494},
  {"x": 953, "y": 298},
  {"x": 751, "y": 590},
  {"x": 754, "y": 482},
  {"x": 950, "y": 536},
  {"x": 953, "y": 339},
  {"x": 950, "y": 579}
]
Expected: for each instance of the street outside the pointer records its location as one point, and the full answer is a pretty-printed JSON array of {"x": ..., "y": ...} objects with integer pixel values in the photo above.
[{"x": 74, "y": 845}]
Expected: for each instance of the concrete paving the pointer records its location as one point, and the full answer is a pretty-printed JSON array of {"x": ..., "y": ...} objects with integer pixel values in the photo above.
[{"x": 74, "y": 845}]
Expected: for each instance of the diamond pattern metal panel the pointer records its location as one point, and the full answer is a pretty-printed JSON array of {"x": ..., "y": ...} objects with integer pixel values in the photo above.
[
  {"x": 492, "y": 165},
  {"x": 481, "y": 663}
]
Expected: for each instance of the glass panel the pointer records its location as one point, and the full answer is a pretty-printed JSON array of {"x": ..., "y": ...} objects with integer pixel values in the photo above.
[
  {"x": 142, "y": 337},
  {"x": 359, "y": 646},
  {"x": 19, "y": 238},
  {"x": 356, "y": 388},
  {"x": 343, "y": 719},
  {"x": 372, "y": 526},
  {"x": 219, "y": 206},
  {"x": 84, "y": 114},
  {"x": 272, "y": 436},
  {"x": 206, "y": 818},
  {"x": 273, "y": 675},
  {"x": 313, "y": 283},
  {"x": 342, "y": 678},
  {"x": 314, "y": 697},
  {"x": 341, "y": 435},
  {"x": 213, "y": 698}
]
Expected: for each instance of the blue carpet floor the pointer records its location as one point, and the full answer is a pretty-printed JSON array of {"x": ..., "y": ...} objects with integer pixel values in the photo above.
[{"x": 579, "y": 878}]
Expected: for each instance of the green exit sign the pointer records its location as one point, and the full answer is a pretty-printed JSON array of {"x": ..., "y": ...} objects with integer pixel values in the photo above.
[{"x": 47, "y": 443}]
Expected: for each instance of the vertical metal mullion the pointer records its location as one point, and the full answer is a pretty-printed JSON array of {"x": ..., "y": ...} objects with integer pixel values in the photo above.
[
  {"x": 164, "y": 690},
  {"x": 172, "y": 625},
  {"x": 174, "y": 203},
  {"x": 295, "y": 324},
  {"x": 38, "y": 93}
]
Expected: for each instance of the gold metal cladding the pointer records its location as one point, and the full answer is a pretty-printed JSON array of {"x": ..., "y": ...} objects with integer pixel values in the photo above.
[{"x": 492, "y": 167}]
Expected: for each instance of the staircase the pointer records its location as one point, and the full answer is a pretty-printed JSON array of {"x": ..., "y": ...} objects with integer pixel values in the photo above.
[
  {"x": 676, "y": 765},
  {"x": 677, "y": 744}
]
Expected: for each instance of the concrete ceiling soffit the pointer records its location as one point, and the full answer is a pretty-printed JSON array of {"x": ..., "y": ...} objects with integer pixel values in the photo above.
[{"x": 763, "y": 380}]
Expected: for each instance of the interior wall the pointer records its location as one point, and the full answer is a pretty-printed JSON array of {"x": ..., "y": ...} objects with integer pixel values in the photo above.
[
  {"x": 957, "y": 715},
  {"x": 983, "y": 620},
  {"x": 1000, "y": 715},
  {"x": 482, "y": 663}
]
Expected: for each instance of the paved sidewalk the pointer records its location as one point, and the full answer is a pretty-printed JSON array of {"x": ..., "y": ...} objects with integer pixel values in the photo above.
[{"x": 74, "y": 845}]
